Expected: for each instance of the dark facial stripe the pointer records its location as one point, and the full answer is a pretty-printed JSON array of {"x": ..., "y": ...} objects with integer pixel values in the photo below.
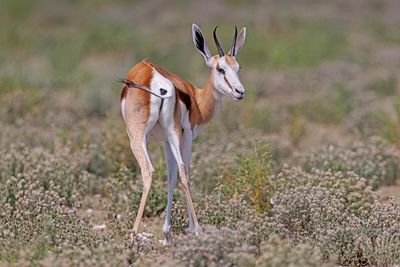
[{"x": 226, "y": 80}]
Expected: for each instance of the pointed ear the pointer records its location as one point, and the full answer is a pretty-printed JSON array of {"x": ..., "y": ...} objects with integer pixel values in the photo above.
[
  {"x": 200, "y": 43},
  {"x": 239, "y": 41}
]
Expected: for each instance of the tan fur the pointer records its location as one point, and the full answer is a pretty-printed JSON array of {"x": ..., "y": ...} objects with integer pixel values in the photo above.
[
  {"x": 137, "y": 105},
  {"x": 230, "y": 60},
  {"x": 136, "y": 114}
]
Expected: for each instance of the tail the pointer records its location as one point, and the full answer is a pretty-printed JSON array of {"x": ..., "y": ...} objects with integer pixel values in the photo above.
[{"x": 131, "y": 84}]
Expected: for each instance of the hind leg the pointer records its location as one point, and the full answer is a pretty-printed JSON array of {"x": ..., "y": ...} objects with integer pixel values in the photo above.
[
  {"x": 139, "y": 149},
  {"x": 186, "y": 154},
  {"x": 172, "y": 179},
  {"x": 174, "y": 140}
]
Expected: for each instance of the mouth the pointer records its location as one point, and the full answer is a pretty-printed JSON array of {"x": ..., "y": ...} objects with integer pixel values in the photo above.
[{"x": 237, "y": 98}]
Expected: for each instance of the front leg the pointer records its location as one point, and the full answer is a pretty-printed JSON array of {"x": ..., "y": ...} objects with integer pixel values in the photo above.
[{"x": 187, "y": 155}]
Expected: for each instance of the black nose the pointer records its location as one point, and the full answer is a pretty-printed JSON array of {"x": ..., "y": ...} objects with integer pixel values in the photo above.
[
  {"x": 237, "y": 91},
  {"x": 163, "y": 91}
]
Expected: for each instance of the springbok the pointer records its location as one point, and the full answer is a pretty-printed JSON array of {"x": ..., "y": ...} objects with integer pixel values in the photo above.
[{"x": 168, "y": 108}]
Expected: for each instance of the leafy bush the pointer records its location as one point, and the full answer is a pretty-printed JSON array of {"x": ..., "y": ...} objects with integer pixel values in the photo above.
[
  {"x": 375, "y": 160},
  {"x": 251, "y": 178}
]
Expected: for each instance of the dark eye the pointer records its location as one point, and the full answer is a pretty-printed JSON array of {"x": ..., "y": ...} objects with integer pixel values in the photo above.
[{"x": 222, "y": 71}]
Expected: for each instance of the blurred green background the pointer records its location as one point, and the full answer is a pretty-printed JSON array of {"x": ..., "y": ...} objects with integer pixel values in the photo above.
[{"x": 316, "y": 73}]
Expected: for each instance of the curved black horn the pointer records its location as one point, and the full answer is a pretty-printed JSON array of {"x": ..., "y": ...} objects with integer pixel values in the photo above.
[
  {"x": 220, "y": 51},
  {"x": 234, "y": 42}
]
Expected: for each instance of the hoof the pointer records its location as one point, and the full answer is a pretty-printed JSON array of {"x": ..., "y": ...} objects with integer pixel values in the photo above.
[
  {"x": 191, "y": 229},
  {"x": 199, "y": 231},
  {"x": 167, "y": 240}
]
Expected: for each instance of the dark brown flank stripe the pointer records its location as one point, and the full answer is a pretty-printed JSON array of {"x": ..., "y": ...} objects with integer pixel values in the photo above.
[
  {"x": 124, "y": 92},
  {"x": 185, "y": 98}
]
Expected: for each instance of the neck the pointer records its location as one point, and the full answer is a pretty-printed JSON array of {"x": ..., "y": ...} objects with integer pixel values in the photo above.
[{"x": 208, "y": 100}]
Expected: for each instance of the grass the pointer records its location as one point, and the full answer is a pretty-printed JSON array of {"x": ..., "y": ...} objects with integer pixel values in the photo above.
[
  {"x": 294, "y": 43},
  {"x": 382, "y": 123},
  {"x": 384, "y": 32},
  {"x": 66, "y": 165},
  {"x": 329, "y": 109},
  {"x": 297, "y": 128},
  {"x": 384, "y": 86}
]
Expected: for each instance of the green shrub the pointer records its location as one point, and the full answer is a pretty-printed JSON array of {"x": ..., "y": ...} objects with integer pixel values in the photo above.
[
  {"x": 250, "y": 177},
  {"x": 348, "y": 186},
  {"x": 370, "y": 123},
  {"x": 297, "y": 128},
  {"x": 373, "y": 159},
  {"x": 381, "y": 123},
  {"x": 157, "y": 199},
  {"x": 234, "y": 214},
  {"x": 300, "y": 212},
  {"x": 320, "y": 217},
  {"x": 40, "y": 193},
  {"x": 111, "y": 150},
  {"x": 379, "y": 234}
]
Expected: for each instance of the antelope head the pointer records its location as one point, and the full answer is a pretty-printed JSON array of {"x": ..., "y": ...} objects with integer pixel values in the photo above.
[{"x": 224, "y": 68}]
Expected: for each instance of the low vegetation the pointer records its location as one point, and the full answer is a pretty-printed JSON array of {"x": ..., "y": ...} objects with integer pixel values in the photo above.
[{"x": 291, "y": 176}]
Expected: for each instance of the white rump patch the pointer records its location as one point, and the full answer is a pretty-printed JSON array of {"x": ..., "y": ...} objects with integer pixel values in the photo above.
[{"x": 160, "y": 83}]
